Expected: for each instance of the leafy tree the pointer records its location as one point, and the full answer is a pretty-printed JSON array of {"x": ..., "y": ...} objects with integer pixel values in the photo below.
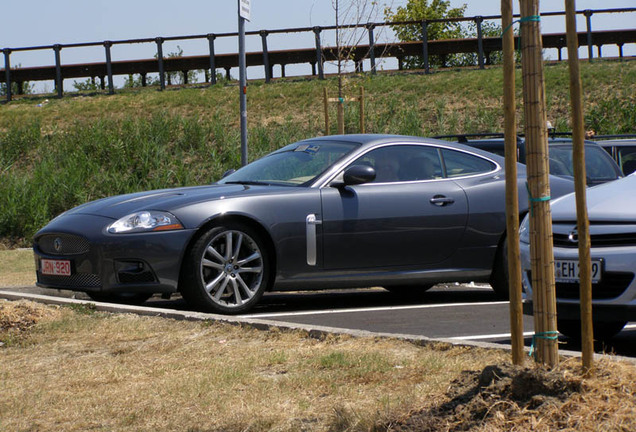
[
  {"x": 419, "y": 10},
  {"x": 488, "y": 29}
]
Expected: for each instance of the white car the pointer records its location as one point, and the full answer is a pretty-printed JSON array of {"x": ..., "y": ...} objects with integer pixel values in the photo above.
[{"x": 612, "y": 216}]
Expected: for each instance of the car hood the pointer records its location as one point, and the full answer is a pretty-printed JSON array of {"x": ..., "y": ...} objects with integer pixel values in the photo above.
[
  {"x": 166, "y": 199},
  {"x": 610, "y": 202}
]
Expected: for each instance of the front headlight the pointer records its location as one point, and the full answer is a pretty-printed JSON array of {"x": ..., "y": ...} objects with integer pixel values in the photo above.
[
  {"x": 145, "y": 221},
  {"x": 524, "y": 230}
]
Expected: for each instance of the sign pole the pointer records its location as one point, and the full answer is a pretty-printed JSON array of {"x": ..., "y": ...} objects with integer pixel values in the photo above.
[{"x": 244, "y": 15}]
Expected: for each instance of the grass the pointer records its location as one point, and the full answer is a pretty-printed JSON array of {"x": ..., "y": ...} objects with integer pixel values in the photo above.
[
  {"x": 73, "y": 371},
  {"x": 17, "y": 268},
  {"x": 77, "y": 369},
  {"x": 59, "y": 153}
]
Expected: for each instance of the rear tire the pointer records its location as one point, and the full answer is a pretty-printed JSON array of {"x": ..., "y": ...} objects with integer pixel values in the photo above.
[
  {"x": 499, "y": 280},
  {"x": 603, "y": 330},
  {"x": 227, "y": 270}
]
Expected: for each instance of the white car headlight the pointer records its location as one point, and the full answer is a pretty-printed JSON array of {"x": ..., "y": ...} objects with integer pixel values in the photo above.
[
  {"x": 145, "y": 221},
  {"x": 524, "y": 230}
]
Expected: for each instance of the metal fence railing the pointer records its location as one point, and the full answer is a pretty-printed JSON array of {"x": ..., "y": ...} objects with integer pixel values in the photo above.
[{"x": 315, "y": 55}]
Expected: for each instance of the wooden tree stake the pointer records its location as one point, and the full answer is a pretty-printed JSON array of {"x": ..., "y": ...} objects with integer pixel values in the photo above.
[
  {"x": 542, "y": 256},
  {"x": 512, "y": 194},
  {"x": 583, "y": 224}
]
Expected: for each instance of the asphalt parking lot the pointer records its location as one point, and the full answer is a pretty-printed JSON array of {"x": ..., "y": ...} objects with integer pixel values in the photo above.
[{"x": 452, "y": 312}]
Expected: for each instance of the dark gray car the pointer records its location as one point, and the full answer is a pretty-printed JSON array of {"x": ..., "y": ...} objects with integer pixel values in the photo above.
[{"x": 342, "y": 211}]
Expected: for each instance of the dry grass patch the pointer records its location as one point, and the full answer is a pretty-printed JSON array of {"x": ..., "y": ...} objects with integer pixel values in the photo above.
[
  {"x": 71, "y": 369},
  {"x": 81, "y": 369}
]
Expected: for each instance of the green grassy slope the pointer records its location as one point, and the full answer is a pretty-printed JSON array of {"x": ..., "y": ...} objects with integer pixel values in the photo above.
[{"x": 57, "y": 154}]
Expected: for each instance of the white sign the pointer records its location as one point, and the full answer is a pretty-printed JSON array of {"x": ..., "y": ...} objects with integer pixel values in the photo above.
[{"x": 244, "y": 9}]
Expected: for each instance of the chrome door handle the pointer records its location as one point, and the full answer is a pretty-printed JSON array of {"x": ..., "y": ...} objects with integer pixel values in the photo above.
[
  {"x": 441, "y": 200},
  {"x": 310, "y": 225}
]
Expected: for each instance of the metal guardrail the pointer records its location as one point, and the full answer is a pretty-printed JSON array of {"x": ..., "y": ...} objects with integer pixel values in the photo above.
[{"x": 316, "y": 56}]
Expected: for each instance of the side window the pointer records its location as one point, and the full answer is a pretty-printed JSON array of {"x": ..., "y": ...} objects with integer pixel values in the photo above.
[
  {"x": 460, "y": 164},
  {"x": 627, "y": 159},
  {"x": 403, "y": 163}
]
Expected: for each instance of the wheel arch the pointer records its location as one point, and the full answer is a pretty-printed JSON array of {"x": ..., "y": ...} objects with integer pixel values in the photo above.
[
  {"x": 499, "y": 271},
  {"x": 502, "y": 238},
  {"x": 225, "y": 218}
]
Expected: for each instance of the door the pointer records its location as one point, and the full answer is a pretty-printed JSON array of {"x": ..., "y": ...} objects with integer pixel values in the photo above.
[{"x": 409, "y": 216}]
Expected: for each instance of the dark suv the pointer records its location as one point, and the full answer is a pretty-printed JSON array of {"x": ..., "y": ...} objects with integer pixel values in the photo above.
[
  {"x": 622, "y": 149},
  {"x": 599, "y": 164}
]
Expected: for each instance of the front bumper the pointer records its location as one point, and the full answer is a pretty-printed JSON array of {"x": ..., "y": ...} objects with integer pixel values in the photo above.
[
  {"x": 613, "y": 298},
  {"x": 109, "y": 263}
]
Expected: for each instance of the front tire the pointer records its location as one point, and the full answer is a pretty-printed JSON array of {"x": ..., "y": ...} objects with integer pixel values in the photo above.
[
  {"x": 227, "y": 270},
  {"x": 603, "y": 330}
]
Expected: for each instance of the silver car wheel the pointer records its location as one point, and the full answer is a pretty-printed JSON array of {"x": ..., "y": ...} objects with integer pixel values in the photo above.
[{"x": 231, "y": 268}]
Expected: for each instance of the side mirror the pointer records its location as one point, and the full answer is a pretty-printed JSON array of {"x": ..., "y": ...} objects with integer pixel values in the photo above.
[{"x": 358, "y": 174}]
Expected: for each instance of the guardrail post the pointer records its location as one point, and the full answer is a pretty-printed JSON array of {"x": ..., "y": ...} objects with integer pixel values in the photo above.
[
  {"x": 480, "y": 42},
  {"x": 425, "y": 46},
  {"x": 211, "y": 37},
  {"x": 588, "y": 20},
  {"x": 7, "y": 71},
  {"x": 268, "y": 70},
  {"x": 162, "y": 75},
  {"x": 109, "y": 67},
  {"x": 58, "y": 70},
  {"x": 321, "y": 73},
  {"x": 370, "y": 28}
]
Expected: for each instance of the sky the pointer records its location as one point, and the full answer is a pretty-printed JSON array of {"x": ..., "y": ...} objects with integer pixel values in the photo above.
[{"x": 46, "y": 22}]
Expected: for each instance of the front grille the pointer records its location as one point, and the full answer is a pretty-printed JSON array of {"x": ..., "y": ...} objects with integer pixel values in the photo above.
[
  {"x": 599, "y": 240},
  {"x": 612, "y": 285},
  {"x": 78, "y": 280},
  {"x": 62, "y": 244}
]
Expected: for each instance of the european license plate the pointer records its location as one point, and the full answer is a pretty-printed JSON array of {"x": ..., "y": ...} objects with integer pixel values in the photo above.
[
  {"x": 55, "y": 267},
  {"x": 568, "y": 271}
]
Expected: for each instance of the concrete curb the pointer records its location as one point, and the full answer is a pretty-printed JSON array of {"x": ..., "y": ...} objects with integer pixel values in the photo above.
[{"x": 317, "y": 332}]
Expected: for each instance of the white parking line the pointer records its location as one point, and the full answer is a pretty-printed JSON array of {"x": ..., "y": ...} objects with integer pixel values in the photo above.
[
  {"x": 490, "y": 336},
  {"x": 373, "y": 309},
  {"x": 507, "y": 335}
]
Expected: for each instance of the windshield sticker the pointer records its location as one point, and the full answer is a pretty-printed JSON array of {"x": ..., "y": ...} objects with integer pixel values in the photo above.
[{"x": 311, "y": 149}]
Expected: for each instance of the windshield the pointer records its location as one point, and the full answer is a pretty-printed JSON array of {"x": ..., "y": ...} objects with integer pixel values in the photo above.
[
  {"x": 598, "y": 166},
  {"x": 297, "y": 164}
]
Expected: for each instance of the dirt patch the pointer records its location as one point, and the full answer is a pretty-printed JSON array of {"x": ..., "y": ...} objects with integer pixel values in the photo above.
[
  {"x": 504, "y": 397},
  {"x": 18, "y": 317}
]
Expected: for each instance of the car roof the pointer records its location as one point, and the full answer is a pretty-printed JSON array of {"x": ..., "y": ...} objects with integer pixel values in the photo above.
[
  {"x": 373, "y": 140},
  {"x": 616, "y": 142}
]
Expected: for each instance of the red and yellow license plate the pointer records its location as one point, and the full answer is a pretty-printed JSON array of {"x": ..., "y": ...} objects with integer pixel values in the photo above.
[{"x": 55, "y": 267}]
